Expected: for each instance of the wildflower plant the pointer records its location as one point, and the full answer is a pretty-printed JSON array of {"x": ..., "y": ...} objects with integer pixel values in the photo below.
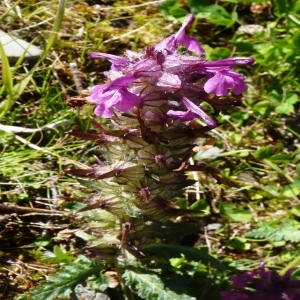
[{"x": 154, "y": 103}]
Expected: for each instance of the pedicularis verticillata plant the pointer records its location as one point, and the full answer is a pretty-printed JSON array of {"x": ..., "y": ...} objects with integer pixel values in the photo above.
[{"x": 153, "y": 101}]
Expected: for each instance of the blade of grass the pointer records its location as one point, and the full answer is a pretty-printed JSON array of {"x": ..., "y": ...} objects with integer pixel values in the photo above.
[
  {"x": 14, "y": 92},
  {"x": 56, "y": 26},
  {"x": 7, "y": 82},
  {"x": 9, "y": 10}
]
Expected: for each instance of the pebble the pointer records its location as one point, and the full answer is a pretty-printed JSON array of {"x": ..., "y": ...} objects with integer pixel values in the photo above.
[{"x": 14, "y": 48}]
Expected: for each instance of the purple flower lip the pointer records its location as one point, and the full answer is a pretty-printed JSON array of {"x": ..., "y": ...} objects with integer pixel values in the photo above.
[{"x": 162, "y": 74}]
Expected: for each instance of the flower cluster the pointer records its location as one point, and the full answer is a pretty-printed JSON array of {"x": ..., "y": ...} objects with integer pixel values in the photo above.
[
  {"x": 152, "y": 98},
  {"x": 262, "y": 284},
  {"x": 164, "y": 76}
]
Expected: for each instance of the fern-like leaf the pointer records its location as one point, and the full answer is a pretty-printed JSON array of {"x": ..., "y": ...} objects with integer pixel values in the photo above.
[
  {"x": 150, "y": 286},
  {"x": 63, "y": 283},
  {"x": 288, "y": 231}
]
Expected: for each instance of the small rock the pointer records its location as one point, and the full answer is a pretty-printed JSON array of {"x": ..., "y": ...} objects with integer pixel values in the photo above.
[
  {"x": 250, "y": 29},
  {"x": 14, "y": 48},
  {"x": 87, "y": 294}
]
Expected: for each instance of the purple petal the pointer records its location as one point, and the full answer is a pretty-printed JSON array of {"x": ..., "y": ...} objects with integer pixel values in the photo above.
[
  {"x": 147, "y": 67},
  {"x": 117, "y": 61},
  {"x": 192, "y": 44},
  {"x": 97, "y": 92},
  {"x": 121, "y": 82},
  {"x": 232, "y": 295},
  {"x": 217, "y": 85},
  {"x": 127, "y": 100},
  {"x": 120, "y": 98},
  {"x": 180, "y": 35},
  {"x": 171, "y": 43},
  {"x": 166, "y": 45},
  {"x": 183, "y": 115},
  {"x": 229, "y": 62},
  {"x": 103, "y": 111},
  {"x": 169, "y": 80},
  {"x": 224, "y": 80},
  {"x": 199, "y": 111}
]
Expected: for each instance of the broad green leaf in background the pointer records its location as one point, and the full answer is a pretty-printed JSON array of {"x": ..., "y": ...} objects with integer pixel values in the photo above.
[
  {"x": 235, "y": 214},
  {"x": 172, "y": 8},
  {"x": 287, "y": 105},
  {"x": 168, "y": 251},
  {"x": 217, "y": 14}
]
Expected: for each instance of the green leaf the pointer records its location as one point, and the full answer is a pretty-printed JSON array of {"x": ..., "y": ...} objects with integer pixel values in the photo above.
[
  {"x": 288, "y": 230},
  {"x": 296, "y": 7},
  {"x": 296, "y": 210},
  {"x": 6, "y": 72},
  {"x": 285, "y": 108},
  {"x": 99, "y": 282},
  {"x": 57, "y": 256},
  {"x": 168, "y": 251},
  {"x": 263, "y": 152},
  {"x": 7, "y": 79},
  {"x": 172, "y": 8},
  {"x": 290, "y": 191},
  {"x": 280, "y": 6},
  {"x": 63, "y": 283},
  {"x": 218, "y": 15},
  {"x": 292, "y": 99},
  {"x": 43, "y": 241},
  {"x": 236, "y": 215},
  {"x": 240, "y": 215},
  {"x": 281, "y": 157},
  {"x": 272, "y": 189},
  {"x": 85, "y": 236},
  {"x": 298, "y": 169},
  {"x": 239, "y": 244},
  {"x": 150, "y": 286}
]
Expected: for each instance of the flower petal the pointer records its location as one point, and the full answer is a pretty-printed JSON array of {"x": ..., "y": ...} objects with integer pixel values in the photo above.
[
  {"x": 229, "y": 62},
  {"x": 183, "y": 115},
  {"x": 127, "y": 100},
  {"x": 199, "y": 111},
  {"x": 224, "y": 80},
  {"x": 117, "y": 61},
  {"x": 169, "y": 80}
]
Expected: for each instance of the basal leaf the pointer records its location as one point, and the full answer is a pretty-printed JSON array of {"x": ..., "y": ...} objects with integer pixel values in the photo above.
[
  {"x": 63, "y": 283},
  {"x": 150, "y": 286}
]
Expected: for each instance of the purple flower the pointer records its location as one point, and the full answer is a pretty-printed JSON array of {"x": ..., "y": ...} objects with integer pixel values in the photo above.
[
  {"x": 262, "y": 284},
  {"x": 223, "y": 80},
  {"x": 114, "y": 94},
  {"x": 163, "y": 78}
]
